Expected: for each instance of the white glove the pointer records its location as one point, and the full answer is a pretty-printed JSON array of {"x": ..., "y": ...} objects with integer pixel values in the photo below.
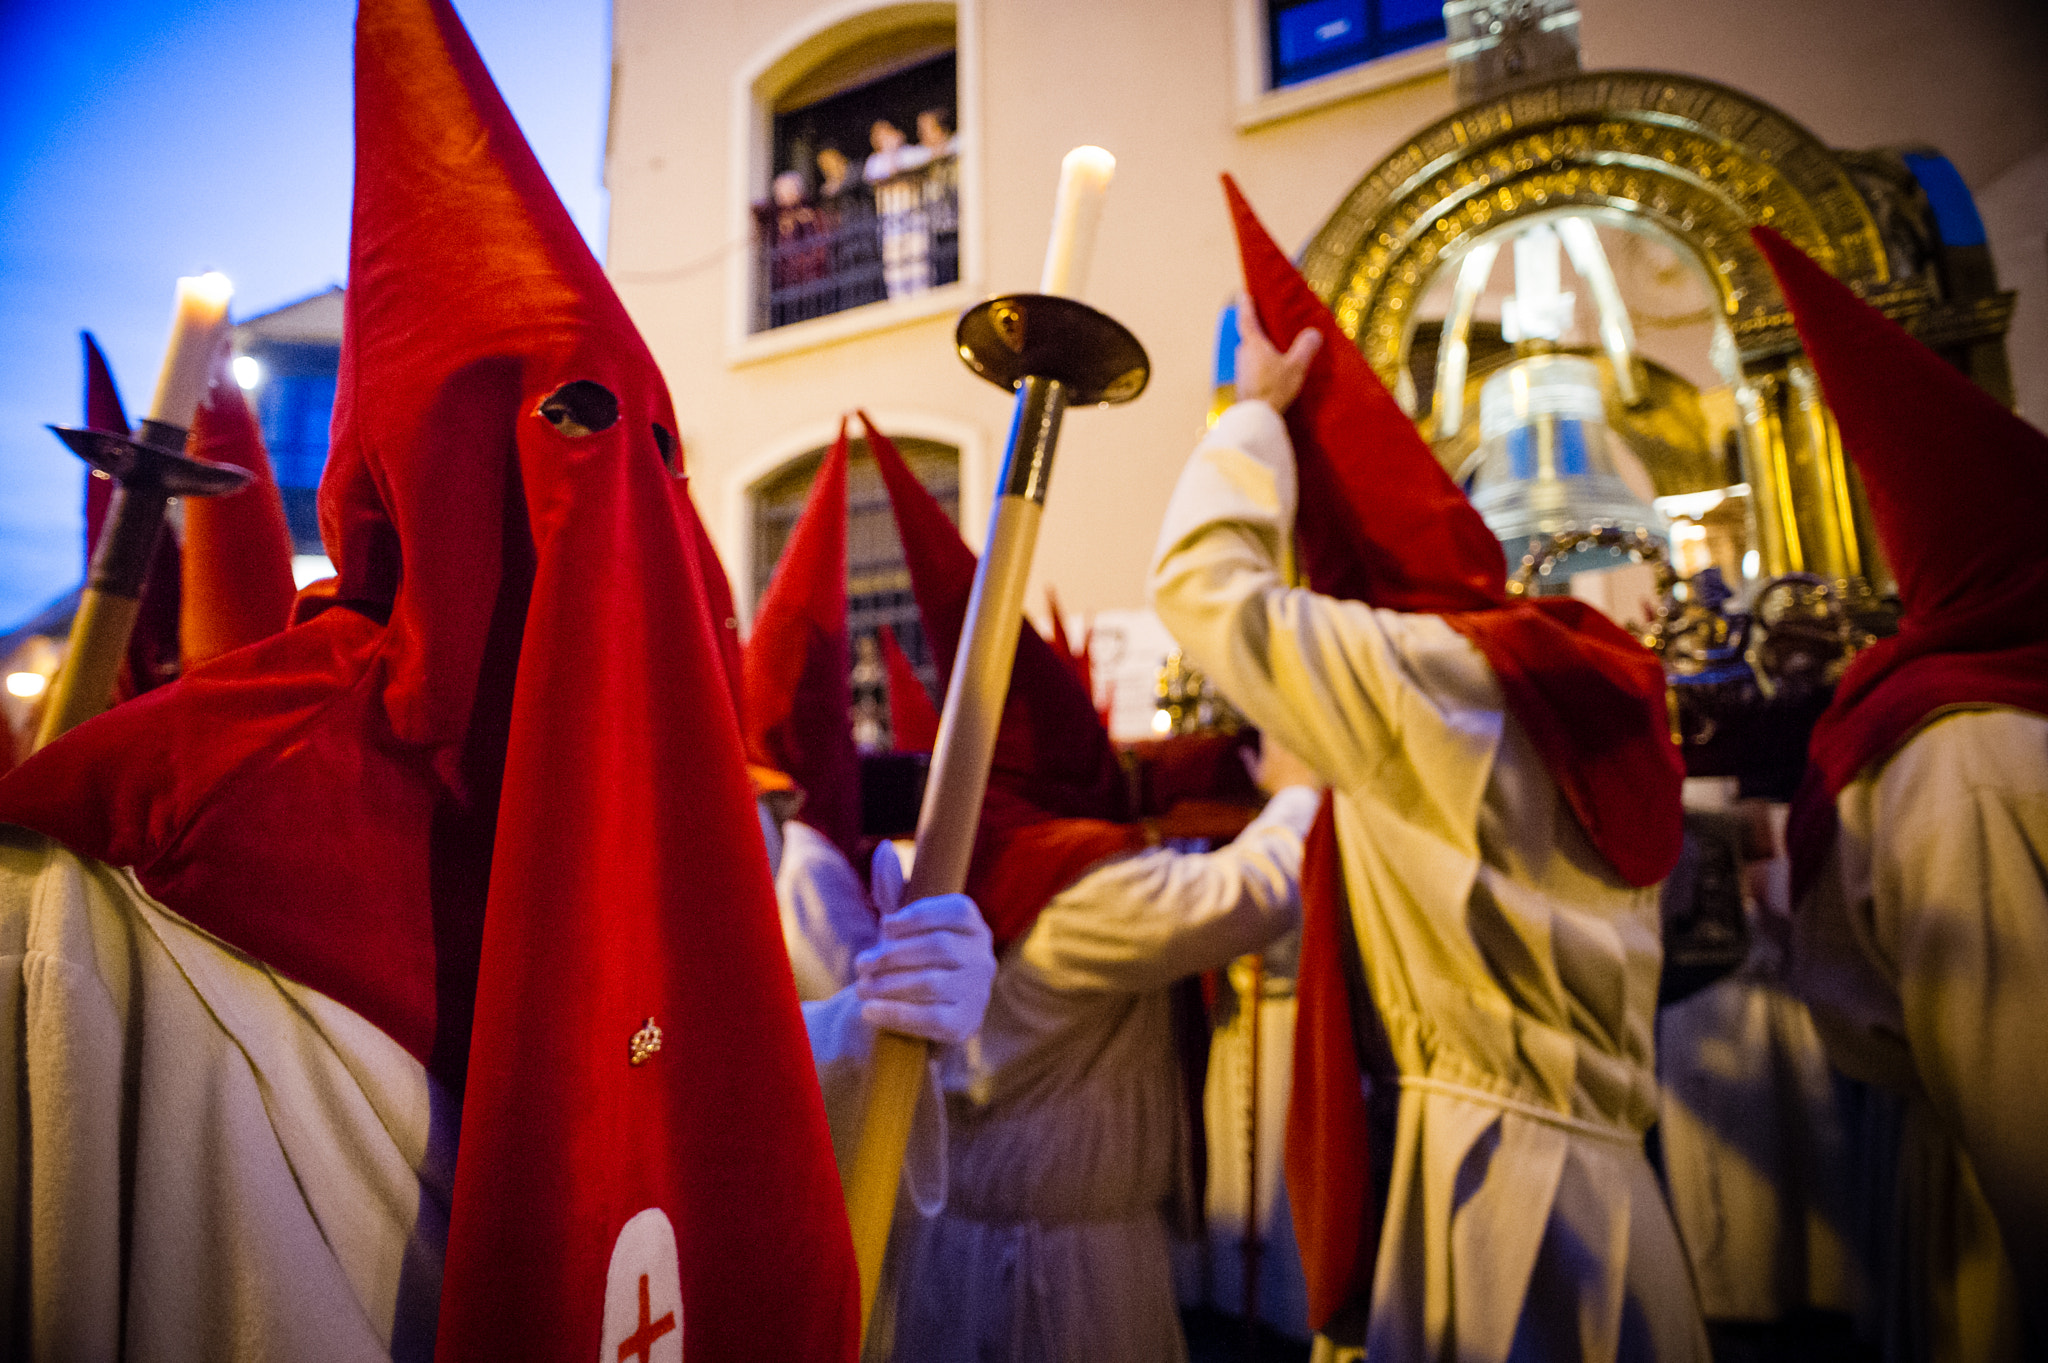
[{"x": 929, "y": 974}]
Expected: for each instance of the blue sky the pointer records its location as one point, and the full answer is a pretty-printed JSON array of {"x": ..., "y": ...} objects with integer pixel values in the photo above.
[{"x": 141, "y": 141}]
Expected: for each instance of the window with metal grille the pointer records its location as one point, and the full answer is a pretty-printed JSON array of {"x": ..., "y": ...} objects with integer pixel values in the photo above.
[
  {"x": 1311, "y": 38},
  {"x": 864, "y": 184},
  {"x": 877, "y": 579}
]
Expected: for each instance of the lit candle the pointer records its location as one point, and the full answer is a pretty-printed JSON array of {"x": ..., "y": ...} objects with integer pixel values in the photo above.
[
  {"x": 1084, "y": 179},
  {"x": 198, "y": 326}
]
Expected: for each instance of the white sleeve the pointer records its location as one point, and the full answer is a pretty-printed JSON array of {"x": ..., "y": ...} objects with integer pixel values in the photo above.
[
  {"x": 1348, "y": 688},
  {"x": 1959, "y": 840},
  {"x": 826, "y": 917},
  {"x": 1141, "y": 923},
  {"x": 841, "y": 1045}
]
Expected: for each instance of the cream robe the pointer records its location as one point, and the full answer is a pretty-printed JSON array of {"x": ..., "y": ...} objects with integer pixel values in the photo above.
[
  {"x": 1515, "y": 974},
  {"x": 1924, "y": 954},
  {"x": 209, "y": 1161},
  {"x": 1756, "y": 1154},
  {"x": 1067, "y": 1125}
]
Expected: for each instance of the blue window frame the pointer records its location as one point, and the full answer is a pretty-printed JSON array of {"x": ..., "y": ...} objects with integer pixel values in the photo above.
[{"x": 1311, "y": 38}]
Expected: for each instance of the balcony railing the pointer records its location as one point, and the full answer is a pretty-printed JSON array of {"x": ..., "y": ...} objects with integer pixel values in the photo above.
[{"x": 891, "y": 239}]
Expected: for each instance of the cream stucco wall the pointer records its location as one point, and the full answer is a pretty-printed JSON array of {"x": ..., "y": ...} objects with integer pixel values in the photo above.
[{"x": 1156, "y": 83}]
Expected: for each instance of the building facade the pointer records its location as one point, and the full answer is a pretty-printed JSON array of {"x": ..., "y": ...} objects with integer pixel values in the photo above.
[{"x": 708, "y": 108}]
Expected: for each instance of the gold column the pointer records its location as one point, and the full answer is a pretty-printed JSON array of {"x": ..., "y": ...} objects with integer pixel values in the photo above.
[
  {"x": 1811, "y": 515},
  {"x": 1769, "y": 474}
]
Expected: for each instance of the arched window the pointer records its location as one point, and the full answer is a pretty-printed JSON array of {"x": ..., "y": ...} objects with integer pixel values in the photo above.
[
  {"x": 858, "y": 195},
  {"x": 877, "y": 579}
]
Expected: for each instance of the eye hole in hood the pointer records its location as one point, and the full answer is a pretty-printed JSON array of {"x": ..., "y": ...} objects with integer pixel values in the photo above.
[
  {"x": 579, "y": 408},
  {"x": 666, "y": 443}
]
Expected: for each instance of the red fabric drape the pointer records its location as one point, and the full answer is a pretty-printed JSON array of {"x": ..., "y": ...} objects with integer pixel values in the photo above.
[
  {"x": 1329, "y": 1134},
  {"x": 1056, "y": 801}
]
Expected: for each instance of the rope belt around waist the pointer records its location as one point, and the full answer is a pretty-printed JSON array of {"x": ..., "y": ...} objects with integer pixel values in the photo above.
[{"x": 1600, "y": 1131}]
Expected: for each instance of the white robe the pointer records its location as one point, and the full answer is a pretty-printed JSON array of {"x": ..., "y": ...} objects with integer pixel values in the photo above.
[
  {"x": 828, "y": 918},
  {"x": 1515, "y": 973},
  {"x": 208, "y": 1161},
  {"x": 1923, "y": 951},
  {"x": 1757, "y": 1155},
  {"x": 1066, "y": 1116}
]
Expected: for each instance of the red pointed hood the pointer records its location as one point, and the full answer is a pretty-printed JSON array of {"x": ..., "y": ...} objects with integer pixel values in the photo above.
[
  {"x": 152, "y": 657},
  {"x": 103, "y": 412},
  {"x": 1051, "y": 748},
  {"x": 1076, "y": 658},
  {"x": 797, "y": 663},
  {"x": 1056, "y": 793},
  {"x": 236, "y": 584},
  {"x": 499, "y": 764},
  {"x": 1958, "y": 487},
  {"x": 913, "y": 719},
  {"x": 1379, "y": 521}
]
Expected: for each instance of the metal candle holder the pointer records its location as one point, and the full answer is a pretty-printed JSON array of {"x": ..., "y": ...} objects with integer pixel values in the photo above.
[{"x": 148, "y": 468}]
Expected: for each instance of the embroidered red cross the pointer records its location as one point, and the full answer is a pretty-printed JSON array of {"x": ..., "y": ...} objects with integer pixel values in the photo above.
[{"x": 641, "y": 1341}]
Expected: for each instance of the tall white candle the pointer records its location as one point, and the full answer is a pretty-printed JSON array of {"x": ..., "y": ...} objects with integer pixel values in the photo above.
[
  {"x": 1084, "y": 179},
  {"x": 199, "y": 325}
]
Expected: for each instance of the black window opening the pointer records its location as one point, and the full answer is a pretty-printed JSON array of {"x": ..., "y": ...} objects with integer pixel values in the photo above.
[
  {"x": 877, "y": 578},
  {"x": 1311, "y": 38},
  {"x": 852, "y": 219}
]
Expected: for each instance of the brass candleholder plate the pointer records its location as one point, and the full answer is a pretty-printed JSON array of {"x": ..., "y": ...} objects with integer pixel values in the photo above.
[
  {"x": 1016, "y": 336},
  {"x": 141, "y": 462}
]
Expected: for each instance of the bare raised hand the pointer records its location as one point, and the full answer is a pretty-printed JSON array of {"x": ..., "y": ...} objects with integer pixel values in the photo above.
[{"x": 1264, "y": 373}]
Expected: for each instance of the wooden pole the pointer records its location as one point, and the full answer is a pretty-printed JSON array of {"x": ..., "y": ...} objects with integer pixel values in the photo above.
[
  {"x": 1253, "y": 1243},
  {"x": 952, "y": 802},
  {"x": 106, "y": 611}
]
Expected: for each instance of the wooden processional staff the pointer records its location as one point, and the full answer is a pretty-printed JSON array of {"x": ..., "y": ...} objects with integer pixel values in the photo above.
[
  {"x": 1054, "y": 352},
  {"x": 149, "y": 467}
]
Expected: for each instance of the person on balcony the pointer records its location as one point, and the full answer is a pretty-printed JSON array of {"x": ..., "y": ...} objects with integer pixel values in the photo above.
[
  {"x": 833, "y": 172},
  {"x": 941, "y": 193},
  {"x": 899, "y": 207},
  {"x": 933, "y": 134},
  {"x": 800, "y": 257}
]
